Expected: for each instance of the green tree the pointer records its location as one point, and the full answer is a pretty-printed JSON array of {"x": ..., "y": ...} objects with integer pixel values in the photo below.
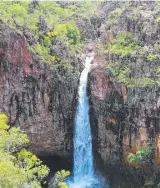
[
  {"x": 18, "y": 166},
  {"x": 142, "y": 156}
]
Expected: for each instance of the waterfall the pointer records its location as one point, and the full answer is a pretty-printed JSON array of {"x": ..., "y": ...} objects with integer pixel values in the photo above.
[
  {"x": 83, "y": 159},
  {"x": 83, "y": 172}
]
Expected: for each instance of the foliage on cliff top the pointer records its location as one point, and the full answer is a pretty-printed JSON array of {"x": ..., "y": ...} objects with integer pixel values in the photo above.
[
  {"x": 18, "y": 166},
  {"x": 49, "y": 22}
]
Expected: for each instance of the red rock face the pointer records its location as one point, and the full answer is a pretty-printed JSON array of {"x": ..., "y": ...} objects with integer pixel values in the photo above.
[
  {"x": 34, "y": 98},
  {"x": 17, "y": 53}
]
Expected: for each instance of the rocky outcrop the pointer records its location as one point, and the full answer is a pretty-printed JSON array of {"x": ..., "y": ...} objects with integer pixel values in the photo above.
[{"x": 36, "y": 97}]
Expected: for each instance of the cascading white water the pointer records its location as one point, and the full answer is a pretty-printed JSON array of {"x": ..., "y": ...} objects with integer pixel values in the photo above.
[
  {"x": 83, "y": 160},
  {"x": 83, "y": 172}
]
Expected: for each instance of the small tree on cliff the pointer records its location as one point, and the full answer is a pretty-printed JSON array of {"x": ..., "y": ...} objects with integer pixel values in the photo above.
[{"x": 18, "y": 166}]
